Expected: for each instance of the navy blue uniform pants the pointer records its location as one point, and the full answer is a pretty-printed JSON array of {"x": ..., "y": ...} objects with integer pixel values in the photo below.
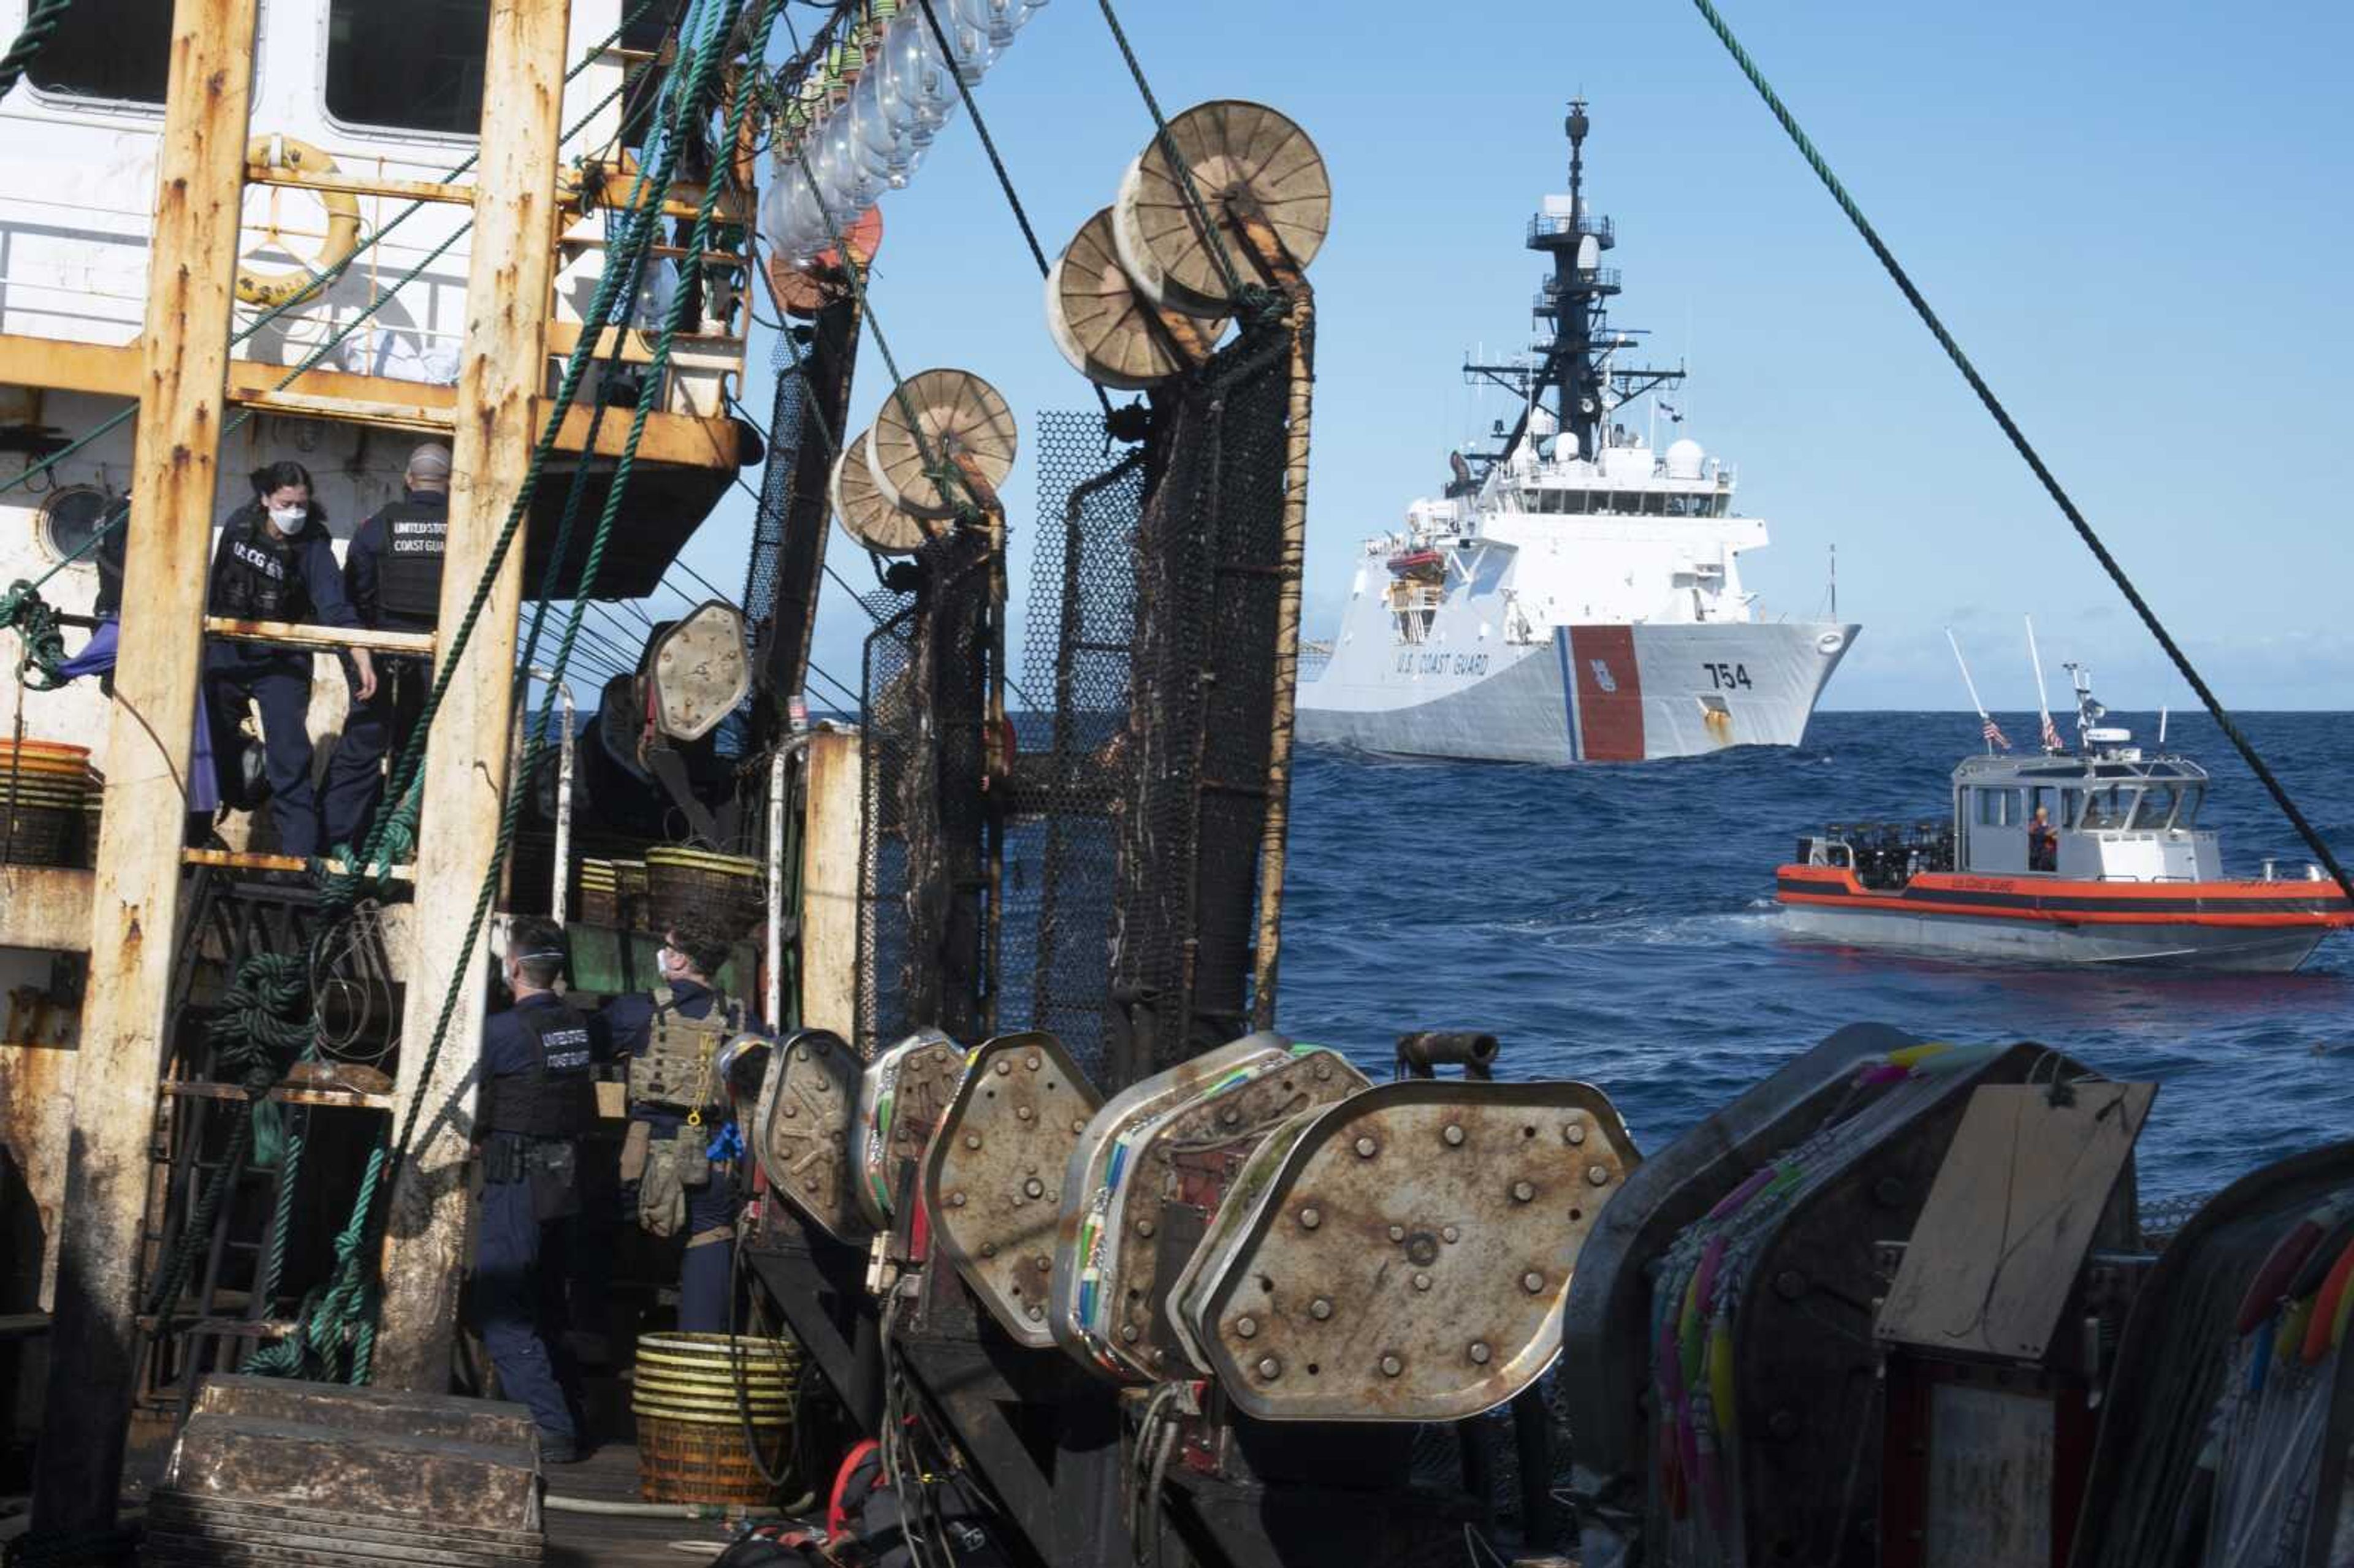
[
  {"x": 512, "y": 1295},
  {"x": 705, "y": 1272},
  {"x": 280, "y": 686},
  {"x": 374, "y": 730}
]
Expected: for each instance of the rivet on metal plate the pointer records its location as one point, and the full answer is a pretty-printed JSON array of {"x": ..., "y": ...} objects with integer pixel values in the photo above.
[{"x": 1310, "y": 1219}]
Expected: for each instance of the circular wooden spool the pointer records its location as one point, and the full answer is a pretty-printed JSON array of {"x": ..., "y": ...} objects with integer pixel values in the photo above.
[
  {"x": 864, "y": 512},
  {"x": 1106, "y": 329},
  {"x": 959, "y": 416},
  {"x": 800, "y": 290},
  {"x": 1245, "y": 159}
]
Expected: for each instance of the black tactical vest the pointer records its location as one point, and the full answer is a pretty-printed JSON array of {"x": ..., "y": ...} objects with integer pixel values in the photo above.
[
  {"x": 557, "y": 1098},
  {"x": 256, "y": 575},
  {"x": 409, "y": 585}
]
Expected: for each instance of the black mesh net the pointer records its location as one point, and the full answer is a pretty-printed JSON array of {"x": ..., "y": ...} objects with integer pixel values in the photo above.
[
  {"x": 1209, "y": 576},
  {"x": 762, "y": 575},
  {"x": 925, "y": 939},
  {"x": 1127, "y": 827}
]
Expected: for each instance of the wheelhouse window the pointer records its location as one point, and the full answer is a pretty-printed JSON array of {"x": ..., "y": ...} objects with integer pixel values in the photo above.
[
  {"x": 119, "y": 50},
  {"x": 2112, "y": 807},
  {"x": 2186, "y": 816},
  {"x": 2154, "y": 809},
  {"x": 414, "y": 66},
  {"x": 1999, "y": 809}
]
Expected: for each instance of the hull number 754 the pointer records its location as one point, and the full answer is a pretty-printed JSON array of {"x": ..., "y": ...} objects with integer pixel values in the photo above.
[{"x": 1727, "y": 677}]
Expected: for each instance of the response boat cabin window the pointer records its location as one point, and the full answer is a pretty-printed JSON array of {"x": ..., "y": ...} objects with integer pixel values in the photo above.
[
  {"x": 2157, "y": 808},
  {"x": 2186, "y": 815},
  {"x": 412, "y": 67},
  {"x": 120, "y": 50},
  {"x": 2111, "y": 806},
  {"x": 2000, "y": 808}
]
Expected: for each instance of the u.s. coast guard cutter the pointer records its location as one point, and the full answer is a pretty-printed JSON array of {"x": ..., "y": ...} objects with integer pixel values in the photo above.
[{"x": 1575, "y": 596}]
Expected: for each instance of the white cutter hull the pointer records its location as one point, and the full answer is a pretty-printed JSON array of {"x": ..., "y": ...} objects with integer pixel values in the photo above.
[{"x": 1587, "y": 694}]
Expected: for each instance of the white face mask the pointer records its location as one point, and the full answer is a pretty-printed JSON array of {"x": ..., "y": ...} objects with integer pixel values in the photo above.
[{"x": 287, "y": 518}]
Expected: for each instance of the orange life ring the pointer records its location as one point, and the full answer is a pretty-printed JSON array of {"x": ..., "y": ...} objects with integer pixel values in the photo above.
[{"x": 275, "y": 289}]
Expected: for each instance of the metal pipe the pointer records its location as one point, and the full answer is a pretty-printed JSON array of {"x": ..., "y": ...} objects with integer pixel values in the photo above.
[
  {"x": 1275, "y": 829},
  {"x": 775, "y": 888},
  {"x": 562, "y": 1504},
  {"x": 563, "y": 798},
  {"x": 779, "y": 768}
]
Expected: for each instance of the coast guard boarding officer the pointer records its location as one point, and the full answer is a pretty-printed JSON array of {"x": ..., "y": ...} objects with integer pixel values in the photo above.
[
  {"x": 392, "y": 575},
  {"x": 674, "y": 1153},
  {"x": 539, "y": 1098},
  {"x": 275, "y": 562}
]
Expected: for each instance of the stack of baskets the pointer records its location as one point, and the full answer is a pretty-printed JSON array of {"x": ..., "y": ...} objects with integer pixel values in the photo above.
[
  {"x": 49, "y": 800},
  {"x": 691, "y": 1395},
  {"x": 614, "y": 892},
  {"x": 724, "y": 888}
]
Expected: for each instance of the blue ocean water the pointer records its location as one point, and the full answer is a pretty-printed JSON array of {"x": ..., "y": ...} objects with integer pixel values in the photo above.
[{"x": 1617, "y": 924}]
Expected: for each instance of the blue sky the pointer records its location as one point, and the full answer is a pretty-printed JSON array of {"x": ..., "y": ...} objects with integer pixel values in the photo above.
[{"x": 2133, "y": 218}]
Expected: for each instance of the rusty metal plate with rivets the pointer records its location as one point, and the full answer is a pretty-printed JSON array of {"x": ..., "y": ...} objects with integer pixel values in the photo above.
[
  {"x": 906, "y": 1091},
  {"x": 1092, "y": 1173},
  {"x": 994, "y": 1180},
  {"x": 1408, "y": 1255},
  {"x": 801, "y": 1129},
  {"x": 1179, "y": 1168}
]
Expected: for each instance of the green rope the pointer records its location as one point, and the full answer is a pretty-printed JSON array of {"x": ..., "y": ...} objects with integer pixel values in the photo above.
[
  {"x": 39, "y": 24},
  {"x": 39, "y": 635},
  {"x": 1816, "y": 161},
  {"x": 1235, "y": 289},
  {"x": 349, "y": 1303},
  {"x": 263, "y": 1025}
]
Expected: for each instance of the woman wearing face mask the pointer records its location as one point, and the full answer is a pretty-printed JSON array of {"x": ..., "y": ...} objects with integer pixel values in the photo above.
[{"x": 274, "y": 562}]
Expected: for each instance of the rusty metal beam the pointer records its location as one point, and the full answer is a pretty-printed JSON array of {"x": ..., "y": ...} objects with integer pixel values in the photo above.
[
  {"x": 136, "y": 906},
  {"x": 510, "y": 272}
]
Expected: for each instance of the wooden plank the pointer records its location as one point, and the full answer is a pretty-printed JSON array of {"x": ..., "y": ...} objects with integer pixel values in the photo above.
[
  {"x": 830, "y": 839},
  {"x": 327, "y": 639},
  {"x": 421, "y": 416},
  {"x": 637, "y": 346},
  {"x": 45, "y": 907},
  {"x": 360, "y": 185},
  {"x": 669, "y": 437},
  {"x": 174, "y": 478},
  {"x": 334, "y": 1100},
  {"x": 113, "y": 371},
  {"x": 247, "y": 859},
  {"x": 511, "y": 272},
  {"x": 2011, "y": 1215}
]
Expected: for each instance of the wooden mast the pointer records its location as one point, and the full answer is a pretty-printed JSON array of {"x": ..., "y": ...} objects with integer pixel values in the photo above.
[
  {"x": 135, "y": 907},
  {"x": 511, "y": 274}
]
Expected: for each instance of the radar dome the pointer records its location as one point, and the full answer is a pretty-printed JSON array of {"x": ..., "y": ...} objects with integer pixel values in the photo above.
[{"x": 1684, "y": 458}]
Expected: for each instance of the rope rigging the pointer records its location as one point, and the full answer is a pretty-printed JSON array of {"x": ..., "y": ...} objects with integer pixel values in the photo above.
[
  {"x": 39, "y": 23},
  {"x": 335, "y": 1331},
  {"x": 2020, "y": 443}
]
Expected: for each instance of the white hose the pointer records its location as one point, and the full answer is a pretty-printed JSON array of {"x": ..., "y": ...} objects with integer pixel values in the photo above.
[{"x": 563, "y": 1504}]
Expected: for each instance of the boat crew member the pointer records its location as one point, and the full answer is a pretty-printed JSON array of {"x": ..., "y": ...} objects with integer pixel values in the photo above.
[
  {"x": 392, "y": 575},
  {"x": 2042, "y": 841},
  {"x": 275, "y": 562},
  {"x": 539, "y": 1098},
  {"x": 679, "y": 1163}
]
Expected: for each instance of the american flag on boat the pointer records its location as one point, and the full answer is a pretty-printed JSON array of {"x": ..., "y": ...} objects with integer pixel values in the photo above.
[
  {"x": 2052, "y": 736},
  {"x": 1994, "y": 735}
]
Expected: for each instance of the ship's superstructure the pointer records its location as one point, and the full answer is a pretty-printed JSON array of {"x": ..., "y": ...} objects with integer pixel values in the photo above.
[{"x": 1575, "y": 596}]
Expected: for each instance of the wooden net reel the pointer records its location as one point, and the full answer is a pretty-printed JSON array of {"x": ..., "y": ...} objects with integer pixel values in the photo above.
[
  {"x": 1111, "y": 333},
  {"x": 864, "y": 513},
  {"x": 1247, "y": 161},
  {"x": 959, "y": 416}
]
